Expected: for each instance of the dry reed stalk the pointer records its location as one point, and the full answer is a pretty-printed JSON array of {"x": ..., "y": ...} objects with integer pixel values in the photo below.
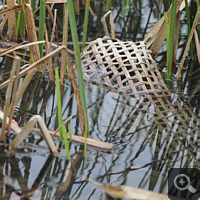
[
  {"x": 198, "y": 3},
  {"x": 56, "y": 1},
  {"x": 49, "y": 61},
  {"x": 12, "y": 21},
  {"x": 3, "y": 21},
  {"x": 48, "y": 47},
  {"x": 77, "y": 6},
  {"x": 14, "y": 72},
  {"x": 91, "y": 11},
  {"x": 35, "y": 64},
  {"x": 188, "y": 44},
  {"x": 197, "y": 45},
  {"x": 80, "y": 139},
  {"x": 77, "y": 94},
  {"x": 36, "y": 119},
  {"x": 52, "y": 20},
  {"x": 160, "y": 37},
  {"x": 14, "y": 93},
  {"x": 12, "y": 9},
  {"x": 18, "y": 46},
  {"x": 31, "y": 32},
  {"x": 11, "y": 48},
  {"x": 64, "y": 42},
  {"x": 62, "y": 67},
  {"x": 111, "y": 23},
  {"x": 54, "y": 26},
  {"x": 159, "y": 28},
  {"x": 75, "y": 138},
  {"x": 24, "y": 85},
  {"x": 12, "y": 56},
  {"x": 14, "y": 127}
]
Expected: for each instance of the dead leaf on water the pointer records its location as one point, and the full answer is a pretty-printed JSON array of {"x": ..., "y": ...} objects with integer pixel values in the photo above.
[{"x": 123, "y": 191}]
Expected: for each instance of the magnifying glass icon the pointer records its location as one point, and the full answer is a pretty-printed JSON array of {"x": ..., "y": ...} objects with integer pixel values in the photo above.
[{"x": 182, "y": 182}]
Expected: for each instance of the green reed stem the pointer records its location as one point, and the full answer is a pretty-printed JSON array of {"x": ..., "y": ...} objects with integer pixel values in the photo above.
[
  {"x": 63, "y": 134},
  {"x": 107, "y": 5},
  {"x": 77, "y": 58},
  {"x": 167, "y": 32},
  {"x": 79, "y": 67},
  {"x": 188, "y": 25},
  {"x": 87, "y": 6},
  {"x": 20, "y": 23},
  {"x": 127, "y": 3},
  {"x": 59, "y": 104},
  {"x": 70, "y": 131},
  {"x": 41, "y": 24},
  {"x": 171, "y": 39},
  {"x": 33, "y": 4}
]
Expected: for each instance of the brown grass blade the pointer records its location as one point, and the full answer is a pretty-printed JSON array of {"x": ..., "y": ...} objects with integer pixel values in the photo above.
[
  {"x": 19, "y": 46},
  {"x": 31, "y": 32},
  {"x": 52, "y": 20},
  {"x": 197, "y": 44},
  {"x": 12, "y": 9},
  {"x": 153, "y": 33},
  {"x": 64, "y": 42},
  {"x": 52, "y": 36},
  {"x": 80, "y": 139},
  {"x": 160, "y": 37},
  {"x": 35, "y": 64},
  {"x": 24, "y": 85},
  {"x": 14, "y": 71},
  {"x": 14, "y": 93},
  {"x": 77, "y": 94},
  {"x": 49, "y": 61},
  {"x": 13, "y": 126},
  {"x": 12, "y": 56},
  {"x": 3, "y": 22},
  {"x": 56, "y": 1},
  {"x": 12, "y": 21},
  {"x": 187, "y": 46}
]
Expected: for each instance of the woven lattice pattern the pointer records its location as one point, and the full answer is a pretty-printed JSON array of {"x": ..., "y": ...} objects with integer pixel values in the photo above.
[{"x": 125, "y": 66}]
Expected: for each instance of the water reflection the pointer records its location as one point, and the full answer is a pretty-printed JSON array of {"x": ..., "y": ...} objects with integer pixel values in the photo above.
[{"x": 145, "y": 147}]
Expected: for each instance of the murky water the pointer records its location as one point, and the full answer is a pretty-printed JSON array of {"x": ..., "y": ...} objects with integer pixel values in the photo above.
[{"x": 144, "y": 148}]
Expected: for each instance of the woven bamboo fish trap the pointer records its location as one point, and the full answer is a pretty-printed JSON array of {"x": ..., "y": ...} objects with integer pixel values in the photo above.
[
  {"x": 124, "y": 66},
  {"x": 128, "y": 67}
]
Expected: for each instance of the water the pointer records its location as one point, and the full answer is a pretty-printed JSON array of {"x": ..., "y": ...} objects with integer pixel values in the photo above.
[{"x": 143, "y": 150}]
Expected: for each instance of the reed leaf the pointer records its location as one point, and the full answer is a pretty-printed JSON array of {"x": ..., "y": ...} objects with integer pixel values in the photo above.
[
  {"x": 126, "y": 6},
  {"x": 63, "y": 134},
  {"x": 41, "y": 24},
  {"x": 188, "y": 24},
  {"x": 70, "y": 131},
  {"x": 171, "y": 39},
  {"x": 167, "y": 31},
  {"x": 107, "y": 5},
  {"x": 197, "y": 16},
  {"x": 78, "y": 59},
  {"x": 20, "y": 23}
]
